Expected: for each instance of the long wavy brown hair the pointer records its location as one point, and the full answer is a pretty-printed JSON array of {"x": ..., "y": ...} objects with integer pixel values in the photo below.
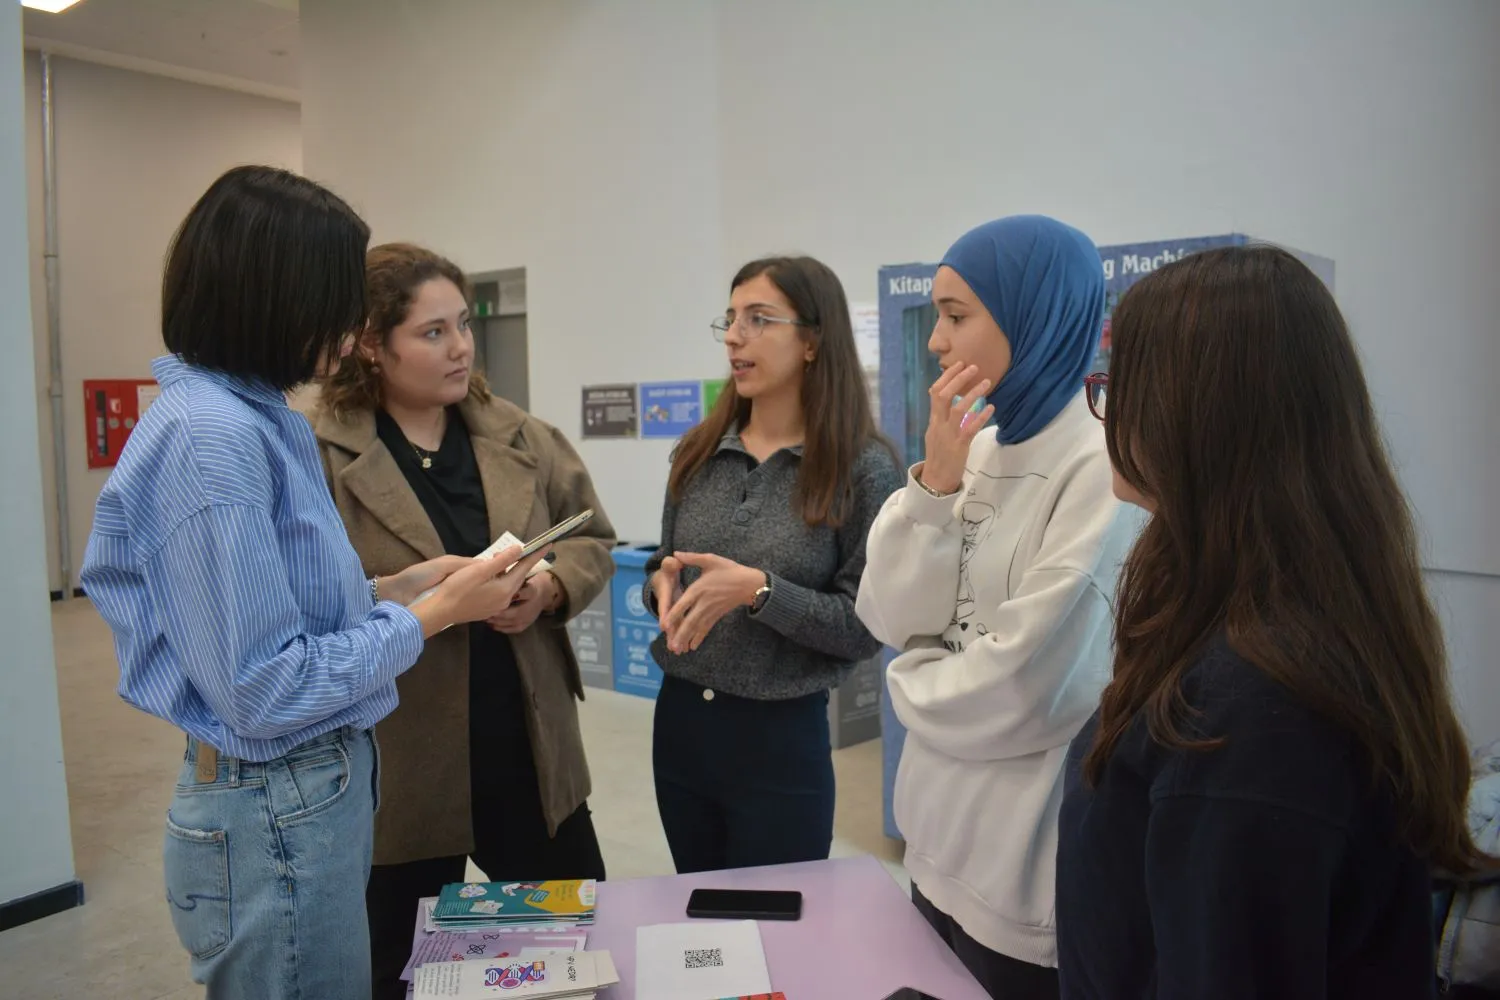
[
  {"x": 835, "y": 401},
  {"x": 393, "y": 273},
  {"x": 1238, "y": 406}
]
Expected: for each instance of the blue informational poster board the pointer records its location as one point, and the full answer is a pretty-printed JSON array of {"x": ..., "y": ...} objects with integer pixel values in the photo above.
[
  {"x": 906, "y": 318},
  {"x": 670, "y": 409},
  {"x": 907, "y": 371}
]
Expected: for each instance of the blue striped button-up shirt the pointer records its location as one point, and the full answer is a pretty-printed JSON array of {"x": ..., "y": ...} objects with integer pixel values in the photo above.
[{"x": 239, "y": 608}]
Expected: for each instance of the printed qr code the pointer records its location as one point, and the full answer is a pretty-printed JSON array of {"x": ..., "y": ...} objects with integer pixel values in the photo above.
[{"x": 707, "y": 958}]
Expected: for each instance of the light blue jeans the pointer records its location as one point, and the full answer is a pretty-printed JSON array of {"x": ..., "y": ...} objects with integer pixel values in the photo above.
[{"x": 266, "y": 868}]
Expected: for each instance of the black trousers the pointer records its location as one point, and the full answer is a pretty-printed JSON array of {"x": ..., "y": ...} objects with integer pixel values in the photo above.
[
  {"x": 511, "y": 842},
  {"x": 742, "y": 783},
  {"x": 1002, "y": 977}
]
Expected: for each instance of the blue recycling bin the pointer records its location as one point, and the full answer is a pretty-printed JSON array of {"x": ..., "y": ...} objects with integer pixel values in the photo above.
[{"x": 635, "y": 670}]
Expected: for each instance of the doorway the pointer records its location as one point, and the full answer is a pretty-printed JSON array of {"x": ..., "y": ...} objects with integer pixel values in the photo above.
[{"x": 498, "y": 319}]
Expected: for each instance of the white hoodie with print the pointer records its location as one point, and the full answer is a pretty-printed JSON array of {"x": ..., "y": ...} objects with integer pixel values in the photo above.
[{"x": 999, "y": 600}]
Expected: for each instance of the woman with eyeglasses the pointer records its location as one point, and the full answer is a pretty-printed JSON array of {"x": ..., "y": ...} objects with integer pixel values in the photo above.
[
  {"x": 1276, "y": 766},
  {"x": 991, "y": 572},
  {"x": 768, "y": 504}
]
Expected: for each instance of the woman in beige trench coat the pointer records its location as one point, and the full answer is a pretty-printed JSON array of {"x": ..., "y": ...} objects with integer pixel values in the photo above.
[{"x": 483, "y": 757}]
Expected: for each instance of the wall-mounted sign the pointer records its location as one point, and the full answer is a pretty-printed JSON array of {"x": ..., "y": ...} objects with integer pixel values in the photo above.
[
  {"x": 609, "y": 411},
  {"x": 712, "y": 389},
  {"x": 670, "y": 409}
]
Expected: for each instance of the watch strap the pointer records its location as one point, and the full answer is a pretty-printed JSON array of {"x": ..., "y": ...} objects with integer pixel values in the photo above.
[{"x": 761, "y": 597}]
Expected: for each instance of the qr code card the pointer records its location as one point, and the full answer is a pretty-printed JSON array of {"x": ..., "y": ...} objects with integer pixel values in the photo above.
[
  {"x": 700, "y": 959},
  {"x": 703, "y": 958}
]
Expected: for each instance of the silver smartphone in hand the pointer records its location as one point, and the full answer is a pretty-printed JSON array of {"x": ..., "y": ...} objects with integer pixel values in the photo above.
[
  {"x": 557, "y": 532},
  {"x": 546, "y": 538}
]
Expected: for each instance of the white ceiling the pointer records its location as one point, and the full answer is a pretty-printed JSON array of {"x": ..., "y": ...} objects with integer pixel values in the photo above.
[{"x": 254, "y": 41}]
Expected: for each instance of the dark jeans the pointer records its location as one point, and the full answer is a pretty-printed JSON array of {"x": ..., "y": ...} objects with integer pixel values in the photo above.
[
  {"x": 509, "y": 844},
  {"x": 1002, "y": 977},
  {"x": 742, "y": 783}
]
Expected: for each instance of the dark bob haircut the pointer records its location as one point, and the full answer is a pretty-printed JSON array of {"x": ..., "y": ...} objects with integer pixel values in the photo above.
[{"x": 265, "y": 278}]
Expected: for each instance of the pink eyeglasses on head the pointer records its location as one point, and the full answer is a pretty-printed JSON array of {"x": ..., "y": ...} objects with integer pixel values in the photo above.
[{"x": 1096, "y": 389}]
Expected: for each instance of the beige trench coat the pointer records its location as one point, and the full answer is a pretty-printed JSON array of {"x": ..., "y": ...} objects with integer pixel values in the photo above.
[{"x": 532, "y": 479}]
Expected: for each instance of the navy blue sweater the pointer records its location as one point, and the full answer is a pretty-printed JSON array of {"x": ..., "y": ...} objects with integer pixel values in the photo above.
[{"x": 1267, "y": 868}]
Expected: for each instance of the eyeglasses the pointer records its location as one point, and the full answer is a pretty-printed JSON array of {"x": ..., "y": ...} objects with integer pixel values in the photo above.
[
  {"x": 751, "y": 326},
  {"x": 1096, "y": 388}
]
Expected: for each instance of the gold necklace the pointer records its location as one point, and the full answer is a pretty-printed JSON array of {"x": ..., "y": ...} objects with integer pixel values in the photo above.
[{"x": 425, "y": 457}]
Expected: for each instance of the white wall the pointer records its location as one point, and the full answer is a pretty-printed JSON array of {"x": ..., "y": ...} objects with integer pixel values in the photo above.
[
  {"x": 575, "y": 139},
  {"x": 631, "y": 156},
  {"x": 36, "y": 845},
  {"x": 1470, "y": 610},
  {"x": 134, "y": 152},
  {"x": 1362, "y": 131}
]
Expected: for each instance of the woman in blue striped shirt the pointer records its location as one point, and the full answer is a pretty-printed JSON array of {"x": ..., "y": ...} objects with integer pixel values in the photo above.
[{"x": 239, "y": 609}]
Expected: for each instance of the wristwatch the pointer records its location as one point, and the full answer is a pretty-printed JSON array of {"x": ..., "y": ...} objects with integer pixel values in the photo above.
[{"x": 761, "y": 597}]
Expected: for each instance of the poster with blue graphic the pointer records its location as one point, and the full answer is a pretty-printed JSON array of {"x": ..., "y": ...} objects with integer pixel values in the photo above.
[
  {"x": 670, "y": 409},
  {"x": 1127, "y": 263},
  {"x": 906, "y": 369}
]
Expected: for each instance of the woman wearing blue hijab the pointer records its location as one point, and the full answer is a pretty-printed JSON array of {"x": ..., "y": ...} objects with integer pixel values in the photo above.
[{"x": 992, "y": 571}]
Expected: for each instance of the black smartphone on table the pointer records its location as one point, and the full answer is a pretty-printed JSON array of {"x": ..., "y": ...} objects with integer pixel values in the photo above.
[{"x": 744, "y": 904}]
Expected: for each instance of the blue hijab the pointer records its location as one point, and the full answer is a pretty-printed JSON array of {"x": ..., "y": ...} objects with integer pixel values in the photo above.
[{"x": 1043, "y": 283}]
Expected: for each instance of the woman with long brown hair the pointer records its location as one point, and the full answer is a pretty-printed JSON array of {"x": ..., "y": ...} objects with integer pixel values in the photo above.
[
  {"x": 484, "y": 757},
  {"x": 763, "y": 544},
  {"x": 1276, "y": 765}
]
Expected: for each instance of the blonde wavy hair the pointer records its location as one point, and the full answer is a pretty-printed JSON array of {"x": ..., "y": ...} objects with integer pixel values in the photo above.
[{"x": 393, "y": 273}]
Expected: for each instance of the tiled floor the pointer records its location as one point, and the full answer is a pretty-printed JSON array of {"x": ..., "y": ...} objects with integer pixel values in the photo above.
[{"x": 121, "y": 765}]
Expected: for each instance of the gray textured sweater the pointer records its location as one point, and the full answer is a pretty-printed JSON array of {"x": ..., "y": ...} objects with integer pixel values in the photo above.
[{"x": 806, "y": 637}]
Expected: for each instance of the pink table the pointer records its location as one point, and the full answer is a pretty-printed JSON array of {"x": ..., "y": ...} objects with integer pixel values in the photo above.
[{"x": 859, "y": 937}]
